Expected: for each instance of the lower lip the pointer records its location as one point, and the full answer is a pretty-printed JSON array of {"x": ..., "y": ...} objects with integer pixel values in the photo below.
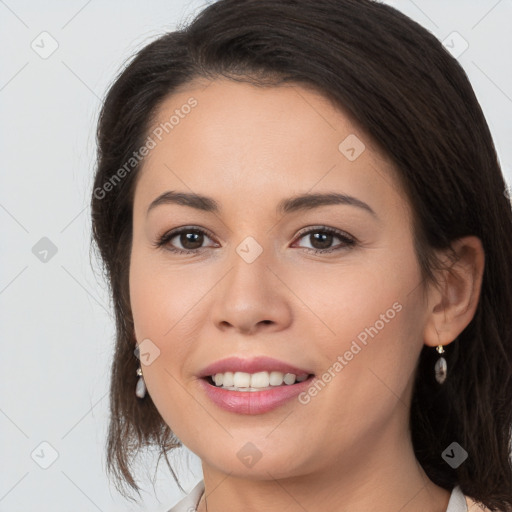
[{"x": 253, "y": 402}]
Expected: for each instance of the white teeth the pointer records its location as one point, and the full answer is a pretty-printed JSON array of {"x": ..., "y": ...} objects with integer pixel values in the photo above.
[
  {"x": 242, "y": 381},
  {"x": 258, "y": 380},
  {"x": 289, "y": 378},
  {"x": 276, "y": 378},
  {"x": 227, "y": 378}
]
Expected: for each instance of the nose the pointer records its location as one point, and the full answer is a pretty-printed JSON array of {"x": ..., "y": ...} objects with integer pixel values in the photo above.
[{"x": 251, "y": 298}]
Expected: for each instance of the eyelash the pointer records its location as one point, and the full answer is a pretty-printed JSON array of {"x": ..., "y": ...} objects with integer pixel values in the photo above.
[{"x": 347, "y": 241}]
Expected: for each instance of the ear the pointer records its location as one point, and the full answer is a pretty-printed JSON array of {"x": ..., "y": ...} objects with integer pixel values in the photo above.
[{"x": 452, "y": 304}]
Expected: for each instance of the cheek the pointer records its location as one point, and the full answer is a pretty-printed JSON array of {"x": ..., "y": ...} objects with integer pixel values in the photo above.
[
  {"x": 154, "y": 303},
  {"x": 368, "y": 325},
  {"x": 168, "y": 309},
  {"x": 161, "y": 300},
  {"x": 160, "y": 296}
]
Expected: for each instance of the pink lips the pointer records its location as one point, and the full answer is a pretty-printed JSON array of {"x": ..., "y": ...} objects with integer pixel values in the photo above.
[{"x": 252, "y": 402}]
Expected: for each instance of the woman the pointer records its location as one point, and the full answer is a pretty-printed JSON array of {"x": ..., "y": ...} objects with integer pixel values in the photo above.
[{"x": 304, "y": 226}]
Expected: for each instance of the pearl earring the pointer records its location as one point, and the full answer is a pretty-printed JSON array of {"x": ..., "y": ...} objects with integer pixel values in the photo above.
[
  {"x": 441, "y": 368},
  {"x": 140, "y": 389}
]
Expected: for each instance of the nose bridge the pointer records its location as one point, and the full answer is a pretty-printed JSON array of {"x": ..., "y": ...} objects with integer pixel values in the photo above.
[
  {"x": 249, "y": 277},
  {"x": 250, "y": 294}
]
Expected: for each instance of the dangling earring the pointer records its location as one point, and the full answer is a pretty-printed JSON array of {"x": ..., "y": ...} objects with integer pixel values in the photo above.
[
  {"x": 140, "y": 389},
  {"x": 441, "y": 368}
]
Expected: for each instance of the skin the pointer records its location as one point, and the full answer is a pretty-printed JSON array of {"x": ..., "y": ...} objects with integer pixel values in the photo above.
[{"x": 349, "y": 448}]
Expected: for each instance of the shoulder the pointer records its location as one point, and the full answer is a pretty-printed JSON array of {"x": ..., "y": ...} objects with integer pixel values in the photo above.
[
  {"x": 475, "y": 506},
  {"x": 190, "y": 501},
  {"x": 460, "y": 502}
]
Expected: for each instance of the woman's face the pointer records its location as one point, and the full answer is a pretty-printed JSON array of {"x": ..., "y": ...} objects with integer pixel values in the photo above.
[{"x": 351, "y": 314}]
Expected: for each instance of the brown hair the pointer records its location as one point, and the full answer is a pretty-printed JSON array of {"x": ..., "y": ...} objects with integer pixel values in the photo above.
[{"x": 414, "y": 100}]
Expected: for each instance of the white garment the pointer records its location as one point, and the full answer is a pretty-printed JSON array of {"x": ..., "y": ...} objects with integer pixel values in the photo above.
[{"x": 189, "y": 503}]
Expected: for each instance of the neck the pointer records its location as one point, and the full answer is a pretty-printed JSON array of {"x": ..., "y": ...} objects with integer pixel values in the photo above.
[{"x": 386, "y": 475}]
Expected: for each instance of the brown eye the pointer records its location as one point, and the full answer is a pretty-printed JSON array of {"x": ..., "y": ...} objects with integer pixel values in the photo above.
[
  {"x": 184, "y": 240},
  {"x": 190, "y": 240},
  {"x": 321, "y": 240}
]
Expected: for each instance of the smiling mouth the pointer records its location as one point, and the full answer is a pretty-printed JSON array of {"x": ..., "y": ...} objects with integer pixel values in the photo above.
[{"x": 244, "y": 382}]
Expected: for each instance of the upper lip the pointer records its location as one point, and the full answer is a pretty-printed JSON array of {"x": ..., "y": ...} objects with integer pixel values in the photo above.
[{"x": 251, "y": 365}]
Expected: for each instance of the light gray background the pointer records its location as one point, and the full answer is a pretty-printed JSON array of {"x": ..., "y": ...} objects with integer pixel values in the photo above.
[{"x": 56, "y": 325}]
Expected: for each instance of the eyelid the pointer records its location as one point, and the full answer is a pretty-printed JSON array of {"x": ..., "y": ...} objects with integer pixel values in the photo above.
[
  {"x": 336, "y": 231},
  {"x": 346, "y": 239},
  {"x": 167, "y": 236}
]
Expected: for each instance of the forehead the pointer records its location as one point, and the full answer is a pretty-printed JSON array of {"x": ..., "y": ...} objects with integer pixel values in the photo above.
[{"x": 225, "y": 136}]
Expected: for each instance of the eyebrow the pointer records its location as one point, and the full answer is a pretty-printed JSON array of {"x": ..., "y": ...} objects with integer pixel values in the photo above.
[{"x": 293, "y": 204}]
